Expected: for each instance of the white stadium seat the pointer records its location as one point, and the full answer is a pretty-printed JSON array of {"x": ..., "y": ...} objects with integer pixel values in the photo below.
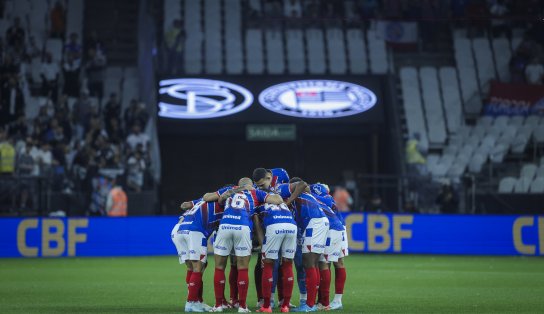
[
  {"x": 358, "y": 63},
  {"x": 507, "y": 185}
]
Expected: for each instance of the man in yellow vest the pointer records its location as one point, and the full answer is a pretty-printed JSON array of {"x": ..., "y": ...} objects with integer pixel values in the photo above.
[
  {"x": 7, "y": 155},
  {"x": 415, "y": 160},
  {"x": 116, "y": 204}
]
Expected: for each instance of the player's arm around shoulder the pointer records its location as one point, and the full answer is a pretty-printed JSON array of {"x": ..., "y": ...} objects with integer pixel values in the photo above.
[{"x": 297, "y": 188}]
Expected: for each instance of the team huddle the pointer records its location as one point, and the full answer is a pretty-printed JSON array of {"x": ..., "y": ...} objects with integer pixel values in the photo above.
[{"x": 286, "y": 220}]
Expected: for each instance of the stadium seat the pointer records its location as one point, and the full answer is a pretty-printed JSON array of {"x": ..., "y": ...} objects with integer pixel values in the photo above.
[
  {"x": 357, "y": 55},
  {"x": 172, "y": 11},
  {"x": 412, "y": 102},
  {"x": 538, "y": 134},
  {"x": 74, "y": 17},
  {"x": 522, "y": 185},
  {"x": 233, "y": 31},
  {"x": 537, "y": 186},
  {"x": 336, "y": 51},
  {"x": 254, "y": 51},
  {"x": 55, "y": 47},
  {"x": 315, "y": 51},
  {"x": 213, "y": 47},
  {"x": 497, "y": 153},
  {"x": 451, "y": 98},
  {"x": 502, "y": 53},
  {"x": 507, "y": 185},
  {"x": 517, "y": 121},
  {"x": 486, "y": 121},
  {"x": 501, "y": 121},
  {"x": 484, "y": 62},
  {"x": 467, "y": 74},
  {"x": 540, "y": 171},
  {"x": 296, "y": 63},
  {"x": 532, "y": 121},
  {"x": 433, "y": 106},
  {"x": 476, "y": 163},
  {"x": 528, "y": 171},
  {"x": 377, "y": 53},
  {"x": 274, "y": 52}
]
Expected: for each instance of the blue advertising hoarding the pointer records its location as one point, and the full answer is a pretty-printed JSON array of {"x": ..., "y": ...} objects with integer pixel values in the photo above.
[{"x": 387, "y": 233}]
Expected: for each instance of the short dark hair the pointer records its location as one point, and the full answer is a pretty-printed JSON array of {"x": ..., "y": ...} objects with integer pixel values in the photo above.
[
  {"x": 295, "y": 180},
  {"x": 259, "y": 173}
]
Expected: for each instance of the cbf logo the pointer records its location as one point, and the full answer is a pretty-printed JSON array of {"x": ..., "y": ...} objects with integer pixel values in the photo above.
[
  {"x": 201, "y": 98},
  {"x": 317, "y": 99}
]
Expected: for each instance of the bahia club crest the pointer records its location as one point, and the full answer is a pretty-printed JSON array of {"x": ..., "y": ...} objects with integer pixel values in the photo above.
[{"x": 317, "y": 99}]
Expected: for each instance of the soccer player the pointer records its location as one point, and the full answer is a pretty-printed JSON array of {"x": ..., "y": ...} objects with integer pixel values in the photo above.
[
  {"x": 266, "y": 180},
  {"x": 280, "y": 236},
  {"x": 321, "y": 191},
  {"x": 311, "y": 219},
  {"x": 235, "y": 232},
  {"x": 190, "y": 236}
]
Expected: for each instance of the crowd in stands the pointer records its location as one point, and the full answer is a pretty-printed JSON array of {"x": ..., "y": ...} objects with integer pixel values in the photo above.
[{"x": 73, "y": 143}]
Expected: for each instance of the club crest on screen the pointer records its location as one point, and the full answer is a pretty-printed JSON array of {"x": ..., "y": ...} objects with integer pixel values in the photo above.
[
  {"x": 191, "y": 98},
  {"x": 317, "y": 99}
]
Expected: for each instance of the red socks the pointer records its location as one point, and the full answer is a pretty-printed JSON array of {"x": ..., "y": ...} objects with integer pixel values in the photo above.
[
  {"x": 233, "y": 284},
  {"x": 267, "y": 281},
  {"x": 280, "y": 284},
  {"x": 288, "y": 281},
  {"x": 311, "y": 284},
  {"x": 258, "y": 273},
  {"x": 324, "y": 285},
  {"x": 194, "y": 286},
  {"x": 340, "y": 280},
  {"x": 219, "y": 286},
  {"x": 201, "y": 290},
  {"x": 243, "y": 281},
  {"x": 188, "y": 276}
]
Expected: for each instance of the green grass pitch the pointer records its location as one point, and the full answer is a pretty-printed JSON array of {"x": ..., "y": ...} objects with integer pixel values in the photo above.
[{"x": 375, "y": 284}]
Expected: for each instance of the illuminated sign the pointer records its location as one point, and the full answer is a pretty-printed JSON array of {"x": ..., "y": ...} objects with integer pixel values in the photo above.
[
  {"x": 201, "y": 98},
  {"x": 317, "y": 99}
]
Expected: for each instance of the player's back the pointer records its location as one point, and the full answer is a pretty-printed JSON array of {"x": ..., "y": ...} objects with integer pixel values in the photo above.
[
  {"x": 240, "y": 206},
  {"x": 274, "y": 214},
  {"x": 202, "y": 217}
]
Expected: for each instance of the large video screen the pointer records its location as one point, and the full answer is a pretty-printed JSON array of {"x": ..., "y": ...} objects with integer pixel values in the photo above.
[{"x": 200, "y": 104}]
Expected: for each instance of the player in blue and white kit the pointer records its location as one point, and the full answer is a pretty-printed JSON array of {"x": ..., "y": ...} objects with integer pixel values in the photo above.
[
  {"x": 266, "y": 180},
  {"x": 314, "y": 225},
  {"x": 190, "y": 236},
  {"x": 321, "y": 191},
  {"x": 280, "y": 237},
  {"x": 235, "y": 232}
]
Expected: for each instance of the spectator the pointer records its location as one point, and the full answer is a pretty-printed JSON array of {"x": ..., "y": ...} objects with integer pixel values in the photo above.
[
  {"x": 137, "y": 137},
  {"x": 25, "y": 161},
  {"x": 7, "y": 155},
  {"x": 33, "y": 51},
  {"x": 499, "y": 11},
  {"x": 50, "y": 76},
  {"x": 136, "y": 168},
  {"x": 115, "y": 133},
  {"x": 45, "y": 159},
  {"x": 73, "y": 47},
  {"x": 101, "y": 187},
  {"x": 15, "y": 35},
  {"x": 18, "y": 129},
  {"x": 112, "y": 109},
  {"x": 116, "y": 204},
  {"x": 534, "y": 72},
  {"x": 174, "y": 40},
  {"x": 414, "y": 158},
  {"x": 58, "y": 21},
  {"x": 12, "y": 102},
  {"x": 71, "y": 69},
  {"x": 93, "y": 42},
  {"x": 343, "y": 199},
  {"x": 376, "y": 205},
  {"x": 447, "y": 200},
  {"x": 96, "y": 62},
  {"x": 135, "y": 113},
  {"x": 292, "y": 9},
  {"x": 82, "y": 113}
]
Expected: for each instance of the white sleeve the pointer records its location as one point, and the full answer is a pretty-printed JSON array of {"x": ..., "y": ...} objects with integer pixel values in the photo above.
[{"x": 109, "y": 202}]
